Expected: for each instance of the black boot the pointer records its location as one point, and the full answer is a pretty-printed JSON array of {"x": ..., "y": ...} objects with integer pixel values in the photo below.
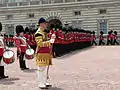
[
  {"x": 24, "y": 65},
  {"x": 2, "y": 73}
]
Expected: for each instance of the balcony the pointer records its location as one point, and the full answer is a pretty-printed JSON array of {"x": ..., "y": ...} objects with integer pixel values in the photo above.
[
  {"x": 27, "y": 3},
  {"x": 35, "y": 2}
]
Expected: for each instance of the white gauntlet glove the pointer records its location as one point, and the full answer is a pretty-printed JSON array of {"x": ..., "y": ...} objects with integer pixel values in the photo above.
[{"x": 52, "y": 40}]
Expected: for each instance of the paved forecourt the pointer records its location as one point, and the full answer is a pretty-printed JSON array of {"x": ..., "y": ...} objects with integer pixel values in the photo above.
[{"x": 95, "y": 68}]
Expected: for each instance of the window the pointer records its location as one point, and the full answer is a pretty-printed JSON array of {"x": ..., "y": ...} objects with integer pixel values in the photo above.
[
  {"x": 58, "y": 1},
  {"x": 76, "y": 13},
  {"x": 9, "y": 29},
  {"x": 103, "y": 27},
  {"x": 102, "y": 11},
  {"x": 81, "y": 0},
  {"x": 31, "y": 25},
  {"x": 69, "y": 0},
  {"x": 31, "y": 15},
  {"x": 77, "y": 24},
  {"x": 9, "y": 17},
  {"x": 11, "y": 1},
  {"x": 47, "y": 1}
]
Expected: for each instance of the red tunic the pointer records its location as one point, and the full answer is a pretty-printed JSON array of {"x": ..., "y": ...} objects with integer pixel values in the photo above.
[
  {"x": 56, "y": 39},
  {"x": 101, "y": 37},
  {"x": 20, "y": 44},
  {"x": 93, "y": 37},
  {"x": 109, "y": 37},
  {"x": 115, "y": 37},
  {"x": 27, "y": 36},
  {"x": 1, "y": 51},
  {"x": 32, "y": 40},
  {"x": 50, "y": 33},
  {"x": 60, "y": 37}
]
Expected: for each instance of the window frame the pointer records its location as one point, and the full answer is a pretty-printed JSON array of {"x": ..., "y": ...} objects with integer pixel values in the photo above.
[
  {"x": 103, "y": 11},
  {"x": 9, "y": 17},
  {"x": 29, "y": 15},
  {"x": 77, "y": 13},
  {"x": 103, "y": 26}
]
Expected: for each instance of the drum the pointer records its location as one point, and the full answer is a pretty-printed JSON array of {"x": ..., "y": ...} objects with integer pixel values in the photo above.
[
  {"x": 29, "y": 54},
  {"x": 1, "y": 51},
  {"x": 8, "y": 57}
]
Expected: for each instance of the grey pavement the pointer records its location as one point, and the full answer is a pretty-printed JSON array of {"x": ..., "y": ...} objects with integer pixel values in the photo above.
[{"x": 95, "y": 68}]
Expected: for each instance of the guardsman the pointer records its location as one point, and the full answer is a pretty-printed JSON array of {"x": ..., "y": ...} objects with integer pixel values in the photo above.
[
  {"x": 93, "y": 38},
  {"x": 60, "y": 39},
  {"x": 109, "y": 38},
  {"x": 21, "y": 45},
  {"x": 101, "y": 38},
  {"x": 32, "y": 40},
  {"x": 43, "y": 54},
  {"x": 2, "y": 75},
  {"x": 115, "y": 38},
  {"x": 112, "y": 37},
  {"x": 27, "y": 35}
]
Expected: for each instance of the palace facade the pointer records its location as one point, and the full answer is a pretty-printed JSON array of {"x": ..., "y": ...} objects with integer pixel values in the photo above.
[{"x": 94, "y": 15}]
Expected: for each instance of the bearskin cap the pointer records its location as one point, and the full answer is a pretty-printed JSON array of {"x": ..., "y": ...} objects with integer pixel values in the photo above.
[
  {"x": 108, "y": 32},
  {"x": 111, "y": 31},
  {"x": 101, "y": 32},
  {"x": 27, "y": 30},
  {"x": 19, "y": 29},
  {"x": 0, "y": 26},
  {"x": 93, "y": 32},
  {"x": 115, "y": 32}
]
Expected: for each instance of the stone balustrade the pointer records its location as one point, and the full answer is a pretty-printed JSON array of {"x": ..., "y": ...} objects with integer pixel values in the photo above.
[{"x": 33, "y": 3}]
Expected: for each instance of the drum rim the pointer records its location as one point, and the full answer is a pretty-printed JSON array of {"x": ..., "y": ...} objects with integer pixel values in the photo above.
[
  {"x": 31, "y": 49},
  {"x": 8, "y": 50}
]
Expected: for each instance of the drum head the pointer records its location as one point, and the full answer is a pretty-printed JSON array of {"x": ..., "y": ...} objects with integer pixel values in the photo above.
[
  {"x": 29, "y": 51},
  {"x": 8, "y": 54}
]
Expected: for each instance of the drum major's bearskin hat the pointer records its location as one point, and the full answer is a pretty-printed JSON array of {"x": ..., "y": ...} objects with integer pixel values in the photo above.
[
  {"x": 0, "y": 26},
  {"x": 19, "y": 29}
]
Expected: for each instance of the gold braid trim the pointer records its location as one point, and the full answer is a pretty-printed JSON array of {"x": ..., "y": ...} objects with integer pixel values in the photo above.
[
  {"x": 40, "y": 40},
  {"x": 43, "y": 59}
]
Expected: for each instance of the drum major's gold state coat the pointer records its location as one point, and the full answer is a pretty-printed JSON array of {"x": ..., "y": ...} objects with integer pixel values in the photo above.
[{"x": 42, "y": 59}]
